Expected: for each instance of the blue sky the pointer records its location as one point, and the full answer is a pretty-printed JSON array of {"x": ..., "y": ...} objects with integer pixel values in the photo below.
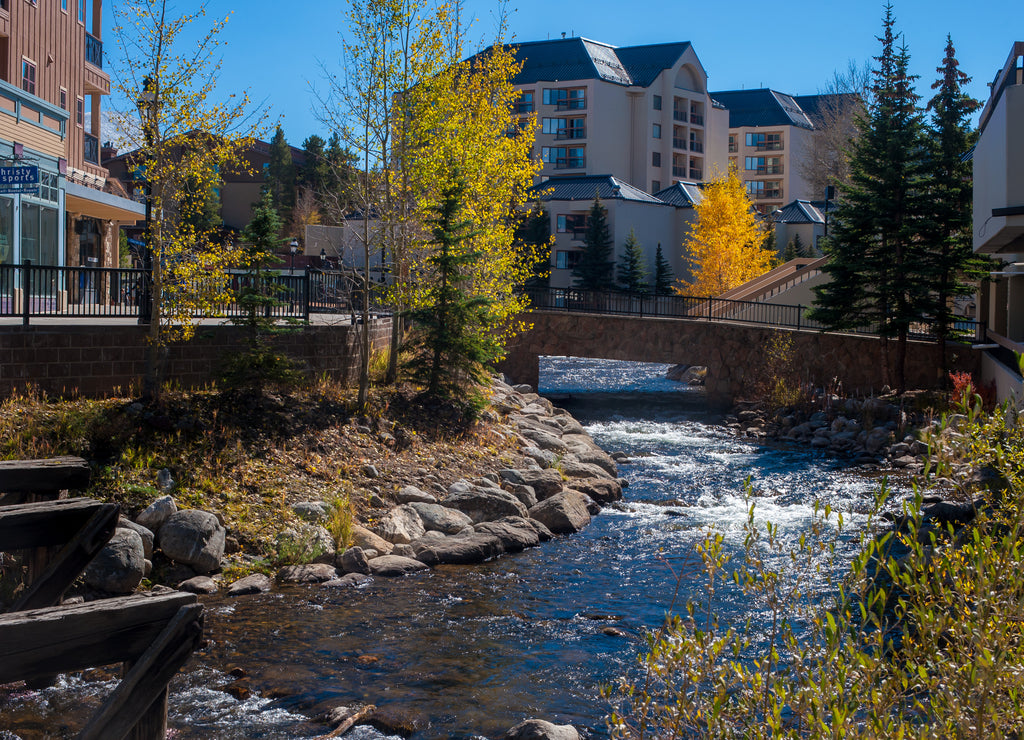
[{"x": 276, "y": 50}]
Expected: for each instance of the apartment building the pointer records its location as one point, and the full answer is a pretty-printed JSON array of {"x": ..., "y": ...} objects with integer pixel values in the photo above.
[
  {"x": 638, "y": 113},
  {"x": 62, "y": 210},
  {"x": 999, "y": 221},
  {"x": 770, "y": 134}
]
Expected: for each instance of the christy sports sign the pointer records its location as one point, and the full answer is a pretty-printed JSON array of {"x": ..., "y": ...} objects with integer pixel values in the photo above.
[{"x": 19, "y": 179}]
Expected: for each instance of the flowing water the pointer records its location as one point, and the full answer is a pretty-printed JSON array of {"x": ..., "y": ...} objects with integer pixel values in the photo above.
[{"x": 469, "y": 651}]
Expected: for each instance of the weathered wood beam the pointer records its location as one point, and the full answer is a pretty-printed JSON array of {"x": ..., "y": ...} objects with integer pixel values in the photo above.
[
  {"x": 45, "y": 523},
  {"x": 47, "y": 589},
  {"x": 53, "y": 474},
  {"x": 58, "y": 639},
  {"x": 140, "y": 698}
]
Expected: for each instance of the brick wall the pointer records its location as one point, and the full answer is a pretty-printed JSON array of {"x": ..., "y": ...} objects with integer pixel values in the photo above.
[{"x": 97, "y": 360}]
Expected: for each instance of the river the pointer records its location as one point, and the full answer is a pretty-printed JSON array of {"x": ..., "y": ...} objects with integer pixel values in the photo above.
[{"x": 469, "y": 651}]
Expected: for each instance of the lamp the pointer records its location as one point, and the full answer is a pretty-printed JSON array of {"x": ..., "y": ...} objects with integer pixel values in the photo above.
[
  {"x": 323, "y": 257},
  {"x": 293, "y": 247}
]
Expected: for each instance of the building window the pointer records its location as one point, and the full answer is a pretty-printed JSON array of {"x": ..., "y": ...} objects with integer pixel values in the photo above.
[
  {"x": 525, "y": 104},
  {"x": 655, "y": 159},
  {"x": 571, "y": 223},
  {"x": 6, "y": 231},
  {"x": 655, "y": 186},
  {"x": 551, "y": 125},
  {"x": 82, "y": 10},
  {"x": 39, "y": 234},
  {"x": 566, "y": 260},
  {"x": 63, "y": 99},
  {"x": 765, "y": 142},
  {"x": 657, "y": 102},
  {"x": 564, "y": 157},
  {"x": 656, "y": 131},
  {"x": 28, "y": 76},
  {"x": 80, "y": 111},
  {"x": 48, "y": 188},
  {"x": 64, "y": 5},
  {"x": 733, "y": 146},
  {"x": 565, "y": 98}
]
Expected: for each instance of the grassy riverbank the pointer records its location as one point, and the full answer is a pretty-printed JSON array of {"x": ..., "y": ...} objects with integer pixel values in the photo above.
[{"x": 250, "y": 461}]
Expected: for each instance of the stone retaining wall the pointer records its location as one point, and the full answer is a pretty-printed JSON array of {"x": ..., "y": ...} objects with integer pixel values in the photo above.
[
  {"x": 732, "y": 353},
  {"x": 99, "y": 360}
]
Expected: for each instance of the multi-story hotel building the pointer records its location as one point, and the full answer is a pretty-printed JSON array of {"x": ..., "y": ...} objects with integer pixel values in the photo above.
[
  {"x": 999, "y": 222},
  {"x": 638, "y": 113},
  {"x": 769, "y": 135},
  {"x": 51, "y": 84}
]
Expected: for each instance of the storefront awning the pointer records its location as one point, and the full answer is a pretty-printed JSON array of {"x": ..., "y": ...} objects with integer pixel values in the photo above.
[{"x": 98, "y": 204}]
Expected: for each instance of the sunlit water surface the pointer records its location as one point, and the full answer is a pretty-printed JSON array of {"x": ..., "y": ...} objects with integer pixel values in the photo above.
[{"x": 468, "y": 651}]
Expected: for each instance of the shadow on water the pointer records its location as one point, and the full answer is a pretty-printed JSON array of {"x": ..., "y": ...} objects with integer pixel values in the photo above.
[{"x": 469, "y": 651}]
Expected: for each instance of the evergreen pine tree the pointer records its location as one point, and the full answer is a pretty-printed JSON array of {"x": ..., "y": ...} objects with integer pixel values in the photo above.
[
  {"x": 954, "y": 267},
  {"x": 595, "y": 268},
  {"x": 281, "y": 176},
  {"x": 261, "y": 363},
  {"x": 314, "y": 173},
  {"x": 533, "y": 239},
  {"x": 336, "y": 195},
  {"x": 663, "y": 277},
  {"x": 452, "y": 344},
  {"x": 876, "y": 260},
  {"x": 632, "y": 270}
]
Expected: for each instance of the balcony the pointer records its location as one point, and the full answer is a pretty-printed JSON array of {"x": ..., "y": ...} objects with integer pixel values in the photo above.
[
  {"x": 768, "y": 194},
  {"x": 25, "y": 117},
  {"x": 696, "y": 120},
  {"x": 578, "y": 132},
  {"x": 769, "y": 146},
  {"x": 679, "y": 144},
  {"x": 91, "y": 151},
  {"x": 696, "y": 174},
  {"x": 93, "y": 50},
  {"x": 572, "y": 104},
  {"x": 680, "y": 115},
  {"x": 696, "y": 146},
  {"x": 733, "y": 147},
  {"x": 570, "y": 163}
]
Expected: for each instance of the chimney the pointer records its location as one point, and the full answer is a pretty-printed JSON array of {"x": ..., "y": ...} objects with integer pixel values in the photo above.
[
  {"x": 563, "y": 34},
  {"x": 107, "y": 151}
]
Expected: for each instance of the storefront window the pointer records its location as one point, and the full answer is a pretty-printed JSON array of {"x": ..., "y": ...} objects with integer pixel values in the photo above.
[
  {"x": 39, "y": 234},
  {"x": 6, "y": 231}
]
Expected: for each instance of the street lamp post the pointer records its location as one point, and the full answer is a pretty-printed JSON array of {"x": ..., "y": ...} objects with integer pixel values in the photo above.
[
  {"x": 293, "y": 247},
  {"x": 323, "y": 258}
]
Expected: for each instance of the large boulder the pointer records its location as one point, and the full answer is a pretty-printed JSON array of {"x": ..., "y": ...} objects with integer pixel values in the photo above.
[
  {"x": 563, "y": 513},
  {"x": 513, "y": 537},
  {"x": 364, "y": 538},
  {"x": 256, "y": 583},
  {"x": 544, "y": 440},
  {"x": 526, "y": 495},
  {"x": 305, "y": 542},
  {"x": 158, "y": 512},
  {"x": 120, "y": 566},
  {"x": 538, "y": 729},
  {"x": 544, "y": 483},
  {"x": 412, "y": 494},
  {"x": 148, "y": 538},
  {"x": 401, "y": 525},
  {"x": 544, "y": 458},
  {"x": 195, "y": 538},
  {"x": 354, "y": 560},
  {"x": 600, "y": 458},
  {"x": 462, "y": 549},
  {"x": 437, "y": 518},
  {"x": 602, "y": 490},
  {"x": 311, "y": 573},
  {"x": 485, "y": 506},
  {"x": 395, "y": 565},
  {"x": 572, "y": 467}
]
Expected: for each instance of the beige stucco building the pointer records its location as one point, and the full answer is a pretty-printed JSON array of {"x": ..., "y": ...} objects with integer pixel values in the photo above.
[{"x": 999, "y": 220}]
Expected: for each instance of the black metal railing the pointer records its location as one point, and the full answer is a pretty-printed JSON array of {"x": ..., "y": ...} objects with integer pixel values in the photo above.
[
  {"x": 577, "y": 132},
  {"x": 678, "y": 143},
  {"x": 712, "y": 309},
  {"x": 696, "y": 146},
  {"x": 91, "y": 152},
  {"x": 105, "y": 292},
  {"x": 571, "y": 104},
  {"x": 570, "y": 163},
  {"x": 93, "y": 50},
  {"x": 696, "y": 119}
]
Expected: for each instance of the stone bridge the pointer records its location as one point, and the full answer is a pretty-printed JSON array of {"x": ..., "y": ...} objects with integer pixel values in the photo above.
[{"x": 734, "y": 353}]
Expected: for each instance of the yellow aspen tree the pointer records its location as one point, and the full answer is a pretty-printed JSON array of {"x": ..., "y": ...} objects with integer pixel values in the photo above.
[
  {"x": 187, "y": 140},
  {"x": 726, "y": 247},
  {"x": 464, "y": 121}
]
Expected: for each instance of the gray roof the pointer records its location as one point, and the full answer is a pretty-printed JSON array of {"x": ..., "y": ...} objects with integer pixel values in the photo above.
[
  {"x": 586, "y": 187},
  {"x": 815, "y": 106},
  {"x": 559, "y": 60},
  {"x": 762, "y": 107},
  {"x": 681, "y": 194},
  {"x": 801, "y": 212}
]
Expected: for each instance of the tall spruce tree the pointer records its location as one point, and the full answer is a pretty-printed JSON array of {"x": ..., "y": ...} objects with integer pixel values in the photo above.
[
  {"x": 595, "y": 269},
  {"x": 281, "y": 176},
  {"x": 533, "y": 240},
  {"x": 954, "y": 267},
  {"x": 314, "y": 174},
  {"x": 663, "y": 275},
  {"x": 452, "y": 343},
  {"x": 632, "y": 272},
  {"x": 877, "y": 262}
]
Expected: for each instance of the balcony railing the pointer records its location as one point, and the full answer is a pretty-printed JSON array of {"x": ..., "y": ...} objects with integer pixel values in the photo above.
[
  {"x": 524, "y": 108},
  {"x": 771, "y": 169},
  {"x": 93, "y": 50},
  {"x": 678, "y": 171},
  {"x": 696, "y": 119},
  {"x": 769, "y": 146},
  {"x": 571, "y": 104},
  {"x": 678, "y": 143},
  {"x": 91, "y": 153},
  {"x": 570, "y": 163},
  {"x": 696, "y": 174},
  {"x": 680, "y": 115},
  {"x": 768, "y": 195},
  {"x": 733, "y": 147},
  {"x": 579, "y": 132},
  {"x": 696, "y": 146}
]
